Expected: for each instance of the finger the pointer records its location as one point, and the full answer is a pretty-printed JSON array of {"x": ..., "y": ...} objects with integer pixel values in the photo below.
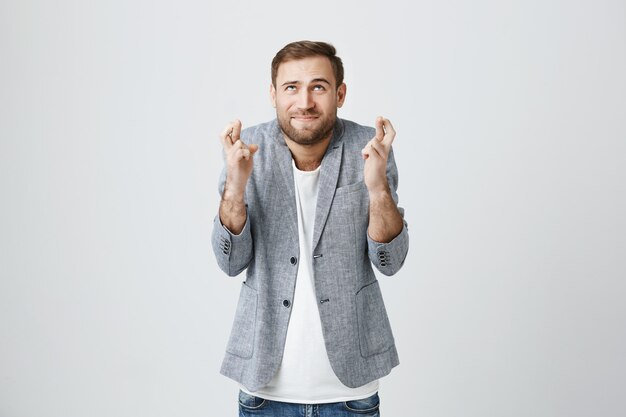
[
  {"x": 225, "y": 137},
  {"x": 365, "y": 152},
  {"x": 373, "y": 146},
  {"x": 380, "y": 133},
  {"x": 378, "y": 149},
  {"x": 236, "y": 130},
  {"x": 237, "y": 154},
  {"x": 390, "y": 132},
  {"x": 238, "y": 144},
  {"x": 241, "y": 150}
]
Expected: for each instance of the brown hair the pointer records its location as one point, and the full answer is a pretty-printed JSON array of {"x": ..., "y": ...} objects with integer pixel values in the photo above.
[{"x": 307, "y": 49}]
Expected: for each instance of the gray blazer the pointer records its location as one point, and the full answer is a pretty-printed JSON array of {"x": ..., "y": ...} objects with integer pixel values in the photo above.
[{"x": 356, "y": 329}]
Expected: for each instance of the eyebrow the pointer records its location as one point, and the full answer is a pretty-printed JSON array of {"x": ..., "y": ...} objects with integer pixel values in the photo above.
[{"x": 314, "y": 80}]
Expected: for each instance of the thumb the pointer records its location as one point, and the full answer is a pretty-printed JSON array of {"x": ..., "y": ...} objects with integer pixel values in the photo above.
[
  {"x": 253, "y": 148},
  {"x": 380, "y": 133}
]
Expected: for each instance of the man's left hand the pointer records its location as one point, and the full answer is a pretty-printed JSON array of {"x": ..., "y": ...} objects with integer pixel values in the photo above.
[{"x": 375, "y": 154}]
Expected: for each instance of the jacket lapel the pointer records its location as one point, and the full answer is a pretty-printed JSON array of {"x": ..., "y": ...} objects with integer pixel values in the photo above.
[
  {"x": 285, "y": 186},
  {"x": 329, "y": 173}
]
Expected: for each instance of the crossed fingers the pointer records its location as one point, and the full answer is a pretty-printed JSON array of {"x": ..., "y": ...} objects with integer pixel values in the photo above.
[
  {"x": 385, "y": 132},
  {"x": 230, "y": 134},
  {"x": 233, "y": 145},
  {"x": 382, "y": 140}
]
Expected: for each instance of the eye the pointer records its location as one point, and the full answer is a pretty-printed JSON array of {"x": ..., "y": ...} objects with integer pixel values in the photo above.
[
  {"x": 290, "y": 88},
  {"x": 319, "y": 87}
]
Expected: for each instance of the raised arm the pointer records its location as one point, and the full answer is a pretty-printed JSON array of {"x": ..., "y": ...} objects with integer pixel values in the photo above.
[
  {"x": 231, "y": 240},
  {"x": 239, "y": 159},
  {"x": 387, "y": 233}
]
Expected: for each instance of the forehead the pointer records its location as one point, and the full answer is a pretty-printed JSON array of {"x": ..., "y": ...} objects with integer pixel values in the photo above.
[{"x": 305, "y": 69}]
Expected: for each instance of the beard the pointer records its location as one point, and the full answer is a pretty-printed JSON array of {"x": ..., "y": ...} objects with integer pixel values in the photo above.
[{"x": 317, "y": 132}]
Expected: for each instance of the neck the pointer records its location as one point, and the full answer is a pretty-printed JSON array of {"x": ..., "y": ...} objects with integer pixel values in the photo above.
[{"x": 308, "y": 157}]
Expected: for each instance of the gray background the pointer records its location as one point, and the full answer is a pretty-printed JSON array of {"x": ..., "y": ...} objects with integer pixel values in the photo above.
[{"x": 511, "y": 120}]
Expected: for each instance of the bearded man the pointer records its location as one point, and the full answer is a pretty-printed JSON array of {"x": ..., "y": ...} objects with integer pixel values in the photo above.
[{"x": 308, "y": 205}]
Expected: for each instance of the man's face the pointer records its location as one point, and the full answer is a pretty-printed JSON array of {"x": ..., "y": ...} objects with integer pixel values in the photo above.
[{"x": 306, "y": 99}]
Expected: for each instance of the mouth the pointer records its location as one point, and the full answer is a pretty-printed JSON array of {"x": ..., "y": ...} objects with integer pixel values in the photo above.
[{"x": 304, "y": 117}]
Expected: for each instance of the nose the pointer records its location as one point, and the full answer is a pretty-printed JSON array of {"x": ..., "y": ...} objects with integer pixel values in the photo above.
[{"x": 305, "y": 101}]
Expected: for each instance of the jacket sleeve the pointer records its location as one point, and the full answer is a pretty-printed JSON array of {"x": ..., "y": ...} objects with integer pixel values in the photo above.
[
  {"x": 232, "y": 252},
  {"x": 388, "y": 258}
]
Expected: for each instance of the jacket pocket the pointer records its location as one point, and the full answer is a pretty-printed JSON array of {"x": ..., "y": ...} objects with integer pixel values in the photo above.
[
  {"x": 374, "y": 329},
  {"x": 350, "y": 188},
  {"x": 241, "y": 342}
]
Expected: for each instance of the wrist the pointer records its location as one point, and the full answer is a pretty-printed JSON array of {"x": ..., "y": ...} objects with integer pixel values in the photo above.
[
  {"x": 233, "y": 195},
  {"x": 379, "y": 193}
]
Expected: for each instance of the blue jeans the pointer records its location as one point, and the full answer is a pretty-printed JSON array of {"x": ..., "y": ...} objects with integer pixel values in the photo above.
[{"x": 251, "y": 406}]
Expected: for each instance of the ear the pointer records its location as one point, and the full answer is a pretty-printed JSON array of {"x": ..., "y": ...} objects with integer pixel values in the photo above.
[
  {"x": 273, "y": 94},
  {"x": 341, "y": 94}
]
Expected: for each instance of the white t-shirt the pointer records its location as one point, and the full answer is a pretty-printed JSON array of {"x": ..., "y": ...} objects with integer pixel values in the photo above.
[{"x": 305, "y": 375}]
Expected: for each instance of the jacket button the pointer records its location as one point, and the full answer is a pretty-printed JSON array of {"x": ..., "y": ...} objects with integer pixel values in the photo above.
[
  {"x": 286, "y": 303},
  {"x": 293, "y": 260}
]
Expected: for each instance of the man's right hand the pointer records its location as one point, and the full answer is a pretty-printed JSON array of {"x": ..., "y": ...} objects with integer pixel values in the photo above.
[{"x": 239, "y": 159}]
